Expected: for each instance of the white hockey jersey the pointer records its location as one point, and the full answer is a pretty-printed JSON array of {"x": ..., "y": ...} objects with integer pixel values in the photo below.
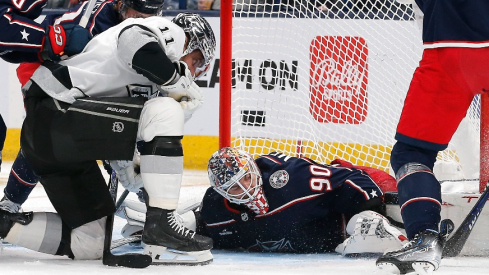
[{"x": 104, "y": 68}]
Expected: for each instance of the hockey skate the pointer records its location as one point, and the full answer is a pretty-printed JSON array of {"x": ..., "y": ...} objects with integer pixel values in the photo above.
[
  {"x": 10, "y": 206},
  {"x": 421, "y": 255},
  {"x": 8, "y": 219},
  {"x": 5, "y": 223},
  {"x": 167, "y": 241}
]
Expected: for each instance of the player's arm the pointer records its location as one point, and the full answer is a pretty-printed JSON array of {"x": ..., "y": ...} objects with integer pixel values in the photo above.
[
  {"x": 138, "y": 46},
  {"x": 20, "y": 34},
  {"x": 102, "y": 17}
]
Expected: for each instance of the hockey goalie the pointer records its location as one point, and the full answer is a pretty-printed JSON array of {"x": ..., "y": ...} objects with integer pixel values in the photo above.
[{"x": 279, "y": 203}]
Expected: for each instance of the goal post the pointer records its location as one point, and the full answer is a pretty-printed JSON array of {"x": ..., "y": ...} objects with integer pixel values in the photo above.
[{"x": 327, "y": 81}]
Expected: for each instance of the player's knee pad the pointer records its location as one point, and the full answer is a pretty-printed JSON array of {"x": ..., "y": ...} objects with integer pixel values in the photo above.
[
  {"x": 44, "y": 233},
  {"x": 87, "y": 241},
  {"x": 161, "y": 116},
  {"x": 161, "y": 170},
  {"x": 403, "y": 153}
]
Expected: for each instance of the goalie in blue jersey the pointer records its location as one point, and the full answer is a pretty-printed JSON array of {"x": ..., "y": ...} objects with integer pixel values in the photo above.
[
  {"x": 279, "y": 203},
  {"x": 289, "y": 204}
]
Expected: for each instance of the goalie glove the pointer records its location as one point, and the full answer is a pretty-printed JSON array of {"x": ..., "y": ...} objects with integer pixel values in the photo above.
[
  {"x": 179, "y": 86},
  {"x": 193, "y": 102},
  {"x": 128, "y": 173}
]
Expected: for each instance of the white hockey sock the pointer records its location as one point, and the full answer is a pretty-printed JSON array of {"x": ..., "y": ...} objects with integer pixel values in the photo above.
[
  {"x": 162, "y": 178},
  {"x": 43, "y": 234}
]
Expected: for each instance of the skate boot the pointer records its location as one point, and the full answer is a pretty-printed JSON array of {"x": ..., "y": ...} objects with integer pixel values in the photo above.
[
  {"x": 169, "y": 242},
  {"x": 421, "y": 255},
  {"x": 7, "y": 220},
  {"x": 5, "y": 223},
  {"x": 10, "y": 206}
]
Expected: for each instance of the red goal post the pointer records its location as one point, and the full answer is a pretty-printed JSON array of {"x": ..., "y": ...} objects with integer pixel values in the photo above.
[{"x": 328, "y": 82}]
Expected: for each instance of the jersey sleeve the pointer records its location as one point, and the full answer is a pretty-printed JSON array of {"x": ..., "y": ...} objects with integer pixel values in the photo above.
[
  {"x": 217, "y": 222},
  {"x": 139, "y": 47},
  {"x": 18, "y": 33},
  {"x": 103, "y": 16},
  {"x": 355, "y": 191},
  {"x": 18, "y": 30}
]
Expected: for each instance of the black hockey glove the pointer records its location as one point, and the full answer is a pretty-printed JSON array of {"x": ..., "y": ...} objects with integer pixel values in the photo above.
[{"x": 62, "y": 41}]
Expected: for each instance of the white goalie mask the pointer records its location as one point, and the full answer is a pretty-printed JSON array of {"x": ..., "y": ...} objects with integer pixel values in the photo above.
[{"x": 234, "y": 174}]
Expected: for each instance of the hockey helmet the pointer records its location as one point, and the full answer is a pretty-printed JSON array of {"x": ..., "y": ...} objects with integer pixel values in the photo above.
[
  {"x": 234, "y": 174},
  {"x": 153, "y": 7},
  {"x": 200, "y": 36}
]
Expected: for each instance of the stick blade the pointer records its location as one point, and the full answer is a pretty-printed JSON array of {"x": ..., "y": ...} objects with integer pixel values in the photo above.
[{"x": 131, "y": 260}]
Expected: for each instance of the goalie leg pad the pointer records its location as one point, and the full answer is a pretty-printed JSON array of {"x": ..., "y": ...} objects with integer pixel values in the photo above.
[
  {"x": 370, "y": 233},
  {"x": 164, "y": 256}
]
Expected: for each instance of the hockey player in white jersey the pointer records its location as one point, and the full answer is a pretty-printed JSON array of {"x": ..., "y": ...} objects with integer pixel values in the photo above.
[{"x": 81, "y": 110}]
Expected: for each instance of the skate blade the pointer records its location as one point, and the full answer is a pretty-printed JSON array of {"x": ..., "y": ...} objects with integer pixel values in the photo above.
[
  {"x": 423, "y": 268},
  {"x": 164, "y": 256},
  {"x": 389, "y": 268}
]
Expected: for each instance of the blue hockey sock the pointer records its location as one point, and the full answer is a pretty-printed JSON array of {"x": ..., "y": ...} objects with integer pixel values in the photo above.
[
  {"x": 419, "y": 198},
  {"x": 21, "y": 180}
]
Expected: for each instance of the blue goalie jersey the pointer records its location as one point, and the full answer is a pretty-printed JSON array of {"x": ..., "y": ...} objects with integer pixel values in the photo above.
[{"x": 309, "y": 203}]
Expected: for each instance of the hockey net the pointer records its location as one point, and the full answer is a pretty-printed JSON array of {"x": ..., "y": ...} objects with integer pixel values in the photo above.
[{"x": 328, "y": 81}]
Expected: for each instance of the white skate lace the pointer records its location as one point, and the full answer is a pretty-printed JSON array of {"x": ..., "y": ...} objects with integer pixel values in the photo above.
[
  {"x": 176, "y": 224},
  {"x": 9, "y": 206}
]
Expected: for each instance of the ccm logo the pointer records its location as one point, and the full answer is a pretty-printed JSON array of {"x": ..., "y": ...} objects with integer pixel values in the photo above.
[
  {"x": 58, "y": 35},
  {"x": 338, "y": 79}
]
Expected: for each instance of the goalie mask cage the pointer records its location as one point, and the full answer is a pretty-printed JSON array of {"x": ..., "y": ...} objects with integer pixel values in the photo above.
[{"x": 327, "y": 80}]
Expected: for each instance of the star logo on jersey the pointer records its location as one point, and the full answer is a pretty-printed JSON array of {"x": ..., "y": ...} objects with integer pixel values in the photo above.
[
  {"x": 25, "y": 35},
  {"x": 117, "y": 127},
  {"x": 373, "y": 194},
  {"x": 279, "y": 179}
]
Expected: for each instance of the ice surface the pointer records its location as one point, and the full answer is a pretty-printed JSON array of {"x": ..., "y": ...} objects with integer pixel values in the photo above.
[{"x": 16, "y": 260}]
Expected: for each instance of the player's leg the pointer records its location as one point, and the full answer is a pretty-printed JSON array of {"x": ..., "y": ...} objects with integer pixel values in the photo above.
[
  {"x": 161, "y": 127},
  {"x": 21, "y": 181},
  {"x": 45, "y": 232},
  {"x": 433, "y": 109},
  {"x": 75, "y": 187}
]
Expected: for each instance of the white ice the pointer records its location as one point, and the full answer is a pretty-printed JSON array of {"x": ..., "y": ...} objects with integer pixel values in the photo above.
[{"x": 16, "y": 260}]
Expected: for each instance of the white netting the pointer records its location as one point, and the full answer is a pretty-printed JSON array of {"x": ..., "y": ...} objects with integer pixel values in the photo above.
[{"x": 324, "y": 84}]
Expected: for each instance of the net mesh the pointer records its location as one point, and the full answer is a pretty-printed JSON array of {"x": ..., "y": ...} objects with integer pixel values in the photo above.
[{"x": 326, "y": 79}]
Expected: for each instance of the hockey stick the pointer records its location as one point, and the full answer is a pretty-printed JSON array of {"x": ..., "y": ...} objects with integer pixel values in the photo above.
[
  {"x": 86, "y": 15},
  {"x": 121, "y": 199},
  {"x": 132, "y": 260},
  {"x": 454, "y": 245}
]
